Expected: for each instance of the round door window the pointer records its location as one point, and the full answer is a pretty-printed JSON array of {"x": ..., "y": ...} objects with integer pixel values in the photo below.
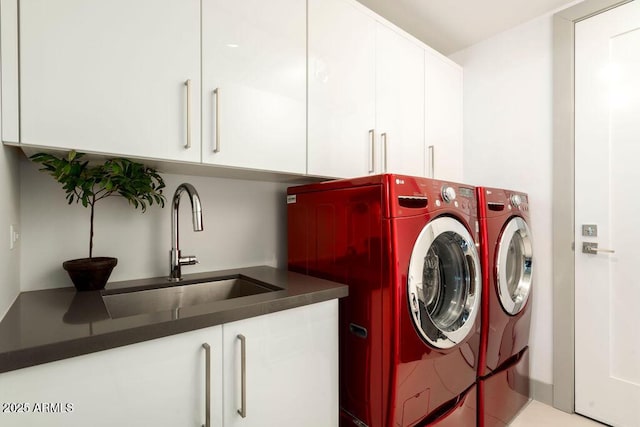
[
  {"x": 513, "y": 267},
  {"x": 444, "y": 283}
]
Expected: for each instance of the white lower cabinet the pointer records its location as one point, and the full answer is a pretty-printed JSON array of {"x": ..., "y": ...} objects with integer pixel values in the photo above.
[
  {"x": 291, "y": 378},
  {"x": 290, "y": 372},
  {"x": 154, "y": 383}
]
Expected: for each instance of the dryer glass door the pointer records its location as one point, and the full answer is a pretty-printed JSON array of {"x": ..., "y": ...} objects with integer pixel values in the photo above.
[
  {"x": 513, "y": 265},
  {"x": 444, "y": 283}
]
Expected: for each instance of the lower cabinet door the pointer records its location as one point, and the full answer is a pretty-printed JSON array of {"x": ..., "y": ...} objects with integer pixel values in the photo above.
[
  {"x": 154, "y": 383},
  {"x": 289, "y": 376}
]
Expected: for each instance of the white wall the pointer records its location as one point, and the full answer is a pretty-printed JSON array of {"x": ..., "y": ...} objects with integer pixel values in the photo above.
[
  {"x": 9, "y": 214},
  {"x": 508, "y": 144},
  {"x": 244, "y": 225}
]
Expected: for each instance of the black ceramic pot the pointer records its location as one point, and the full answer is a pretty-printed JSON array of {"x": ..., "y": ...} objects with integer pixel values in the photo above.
[{"x": 90, "y": 274}]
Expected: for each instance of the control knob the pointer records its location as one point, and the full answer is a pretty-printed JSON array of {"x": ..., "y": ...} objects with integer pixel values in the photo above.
[
  {"x": 516, "y": 200},
  {"x": 448, "y": 194}
]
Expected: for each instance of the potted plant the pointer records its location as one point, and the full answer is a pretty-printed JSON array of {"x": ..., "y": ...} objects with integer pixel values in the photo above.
[{"x": 87, "y": 184}]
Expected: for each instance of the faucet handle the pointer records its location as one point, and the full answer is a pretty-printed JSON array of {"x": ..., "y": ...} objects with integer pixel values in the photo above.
[{"x": 188, "y": 260}]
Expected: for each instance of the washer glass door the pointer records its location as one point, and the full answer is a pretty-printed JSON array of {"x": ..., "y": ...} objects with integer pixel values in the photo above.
[
  {"x": 444, "y": 283},
  {"x": 513, "y": 265}
]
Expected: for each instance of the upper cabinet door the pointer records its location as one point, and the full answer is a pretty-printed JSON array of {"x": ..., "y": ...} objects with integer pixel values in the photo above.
[
  {"x": 399, "y": 103},
  {"x": 443, "y": 117},
  {"x": 110, "y": 76},
  {"x": 254, "y": 90},
  {"x": 341, "y": 89}
]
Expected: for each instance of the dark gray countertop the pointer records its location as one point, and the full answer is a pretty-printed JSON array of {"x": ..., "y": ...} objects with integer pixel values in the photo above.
[{"x": 48, "y": 325}]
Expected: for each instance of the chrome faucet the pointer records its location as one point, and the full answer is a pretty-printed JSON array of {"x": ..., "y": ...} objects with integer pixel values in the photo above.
[{"x": 177, "y": 260}]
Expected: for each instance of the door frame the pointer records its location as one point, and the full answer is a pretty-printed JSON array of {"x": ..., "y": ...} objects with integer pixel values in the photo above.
[{"x": 563, "y": 198}]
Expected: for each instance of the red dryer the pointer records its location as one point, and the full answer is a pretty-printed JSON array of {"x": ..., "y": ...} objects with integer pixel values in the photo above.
[
  {"x": 506, "y": 252},
  {"x": 410, "y": 327}
]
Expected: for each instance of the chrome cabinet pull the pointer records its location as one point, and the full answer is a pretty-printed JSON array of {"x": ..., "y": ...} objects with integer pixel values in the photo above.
[
  {"x": 243, "y": 376},
  {"x": 432, "y": 161},
  {"x": 372, "y": 151},
  {"x": 207, "y": 378},
  {"x": 385, "y": 152},
  {"x": 188, "y": 85},
  {"x": 216, "y": 120}
]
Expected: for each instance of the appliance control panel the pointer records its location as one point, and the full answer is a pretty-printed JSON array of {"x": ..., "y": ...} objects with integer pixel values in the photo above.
[{"x": 412, "y": 193}]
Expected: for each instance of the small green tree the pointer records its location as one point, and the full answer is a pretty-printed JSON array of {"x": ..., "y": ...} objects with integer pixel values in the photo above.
[{"x": 141, "y": 186}]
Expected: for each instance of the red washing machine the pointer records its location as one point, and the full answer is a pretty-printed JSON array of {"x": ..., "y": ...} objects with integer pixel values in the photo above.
[
  {"x": 410, "y": 327},
  {"x": 506, "y": 252}
]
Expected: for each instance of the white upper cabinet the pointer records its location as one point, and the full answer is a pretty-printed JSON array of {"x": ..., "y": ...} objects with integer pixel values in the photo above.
[
  {"x": 366, "y": 94},
  {"x": 254, "y": 84},
  {"x": 110, "y": 76},
  {"x": 327, "y": 88},
  {"x": 341, "y": 89},
  {"x": 400, "y": 103},
  {"x": 443, "y": 117}
]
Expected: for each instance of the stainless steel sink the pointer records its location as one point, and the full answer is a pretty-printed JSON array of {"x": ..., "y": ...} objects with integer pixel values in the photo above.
[{"x": 130, "y": 303}]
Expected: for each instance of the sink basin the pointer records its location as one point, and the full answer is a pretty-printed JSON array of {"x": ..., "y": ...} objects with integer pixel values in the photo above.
[{"x": 130, "y": 303}]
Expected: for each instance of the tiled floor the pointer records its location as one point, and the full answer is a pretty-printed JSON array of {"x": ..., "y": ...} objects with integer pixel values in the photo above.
[{"x": 538, "y": 414}]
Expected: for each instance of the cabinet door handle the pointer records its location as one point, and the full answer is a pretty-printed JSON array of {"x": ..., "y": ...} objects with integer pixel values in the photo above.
[
  {"x": 188, "y": 85},
  {"x": 372, "y": 151},
  {"x": 207, "y": 387},
  {"x": 385, "y": 152},
  {"x": 432, "y": 161},
  {"x": 216, "y": 121},
  {"x": 243, "y": 376}
]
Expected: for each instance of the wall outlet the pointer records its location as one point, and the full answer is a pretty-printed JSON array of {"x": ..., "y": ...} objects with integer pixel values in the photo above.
[{"x": 13, "y": 236}]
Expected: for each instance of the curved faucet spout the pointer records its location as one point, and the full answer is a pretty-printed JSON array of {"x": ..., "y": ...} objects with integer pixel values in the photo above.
[
  {"x": 196, "y": 206},
  {"x": 177, "y": 260}
]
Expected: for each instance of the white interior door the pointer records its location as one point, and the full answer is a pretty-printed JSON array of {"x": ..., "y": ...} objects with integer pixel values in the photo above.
[{"x": 607, "y": 79}]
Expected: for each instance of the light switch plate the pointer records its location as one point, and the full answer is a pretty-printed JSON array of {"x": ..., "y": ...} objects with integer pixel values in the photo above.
[{"x": 13, "y": 236}]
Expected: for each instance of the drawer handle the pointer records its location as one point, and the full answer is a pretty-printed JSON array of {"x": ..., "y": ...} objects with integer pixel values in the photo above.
[
  {"x": 207, "y": 379},
  {"x": 243, "y": 376},
  {"x": 358, "y": 330}
]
